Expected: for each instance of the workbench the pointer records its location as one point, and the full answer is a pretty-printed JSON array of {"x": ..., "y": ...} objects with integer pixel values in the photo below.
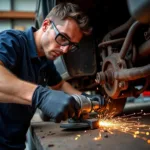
[{"x": 48, "y": 135}]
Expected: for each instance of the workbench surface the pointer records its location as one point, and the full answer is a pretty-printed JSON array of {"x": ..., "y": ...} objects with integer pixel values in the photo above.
[{"x": 48, "y": 135}]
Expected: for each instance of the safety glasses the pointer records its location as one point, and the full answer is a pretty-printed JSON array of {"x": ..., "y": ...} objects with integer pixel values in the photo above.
[{"x": 63, "y": 40}]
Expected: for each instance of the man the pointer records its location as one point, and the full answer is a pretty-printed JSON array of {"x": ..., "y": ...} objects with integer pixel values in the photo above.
[{"x": 26, "y": 69}]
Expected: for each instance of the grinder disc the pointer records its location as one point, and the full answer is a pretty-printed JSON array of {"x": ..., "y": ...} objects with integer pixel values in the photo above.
[{"x": 74, "y": 125}]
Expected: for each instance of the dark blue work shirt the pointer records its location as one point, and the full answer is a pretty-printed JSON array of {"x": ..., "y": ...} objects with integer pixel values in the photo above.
[{"x": 19, "y": 55}]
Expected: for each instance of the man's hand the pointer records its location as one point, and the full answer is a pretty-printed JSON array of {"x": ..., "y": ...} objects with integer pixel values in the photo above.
[{"x": 55, "y": 104}]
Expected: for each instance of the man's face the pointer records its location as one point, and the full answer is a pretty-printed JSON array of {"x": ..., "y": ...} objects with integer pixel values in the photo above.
[{"x": 59, "y": 39}]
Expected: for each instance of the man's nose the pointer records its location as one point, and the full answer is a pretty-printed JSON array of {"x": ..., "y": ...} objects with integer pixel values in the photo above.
[{"x": 65, "y": 49}]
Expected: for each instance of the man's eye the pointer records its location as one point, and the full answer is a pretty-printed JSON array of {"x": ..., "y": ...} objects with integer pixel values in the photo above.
[{"x": 63, "y": 38}]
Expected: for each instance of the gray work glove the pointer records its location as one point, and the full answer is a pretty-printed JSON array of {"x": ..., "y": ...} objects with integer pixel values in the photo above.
[{"x": 55, "y": 104}]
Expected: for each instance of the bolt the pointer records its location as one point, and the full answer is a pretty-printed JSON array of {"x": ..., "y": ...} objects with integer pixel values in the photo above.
[{"x": 100, "y": 77}]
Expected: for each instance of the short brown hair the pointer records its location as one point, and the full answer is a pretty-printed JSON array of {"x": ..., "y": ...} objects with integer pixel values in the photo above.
[{"x": 63, "y": 11}]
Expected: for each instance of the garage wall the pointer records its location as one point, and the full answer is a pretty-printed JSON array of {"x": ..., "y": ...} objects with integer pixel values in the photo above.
[{"x": 17, "y": 6}]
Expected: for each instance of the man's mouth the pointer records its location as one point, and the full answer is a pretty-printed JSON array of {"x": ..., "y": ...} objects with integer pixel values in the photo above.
[{"x": 56, "y": 54}]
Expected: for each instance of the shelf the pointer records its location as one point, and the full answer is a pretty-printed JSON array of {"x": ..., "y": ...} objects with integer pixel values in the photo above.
[{"x": 16, "y": 15}]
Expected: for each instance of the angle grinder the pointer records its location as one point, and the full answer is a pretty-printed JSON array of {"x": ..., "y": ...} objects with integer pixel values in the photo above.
[{"x": 86, "y": 107}]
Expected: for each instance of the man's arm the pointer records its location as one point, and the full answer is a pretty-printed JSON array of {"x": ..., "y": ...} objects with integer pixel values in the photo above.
[
  {"x": 66, "y": 87},
  {"x": 4, "y": 98},
  {"x": 14, "y": 90}
]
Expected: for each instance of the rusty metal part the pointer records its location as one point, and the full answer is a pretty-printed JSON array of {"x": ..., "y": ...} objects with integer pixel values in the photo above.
[
  {"x": 103, "y": 54},
  {"x": 114, "y": 74},
  {"x": 115, "y": 80},
  {"x": 133, "y": 73},
  {"x": 119, "y": 29},
  {"x": 112, "y": 86},
  {"x": 101, "y": 78},
  {"x": 134, "y": 56},
  {"x": 110, "y": 42},
  {"x": 107, "y": 42},
  {"x": 134, "y": 91},
  {"x": 139, "y": 91},
  {"x": 144, "y": 49},
  {"x": 109, "y": 48},
  {"x": 128, "y": 39}
]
